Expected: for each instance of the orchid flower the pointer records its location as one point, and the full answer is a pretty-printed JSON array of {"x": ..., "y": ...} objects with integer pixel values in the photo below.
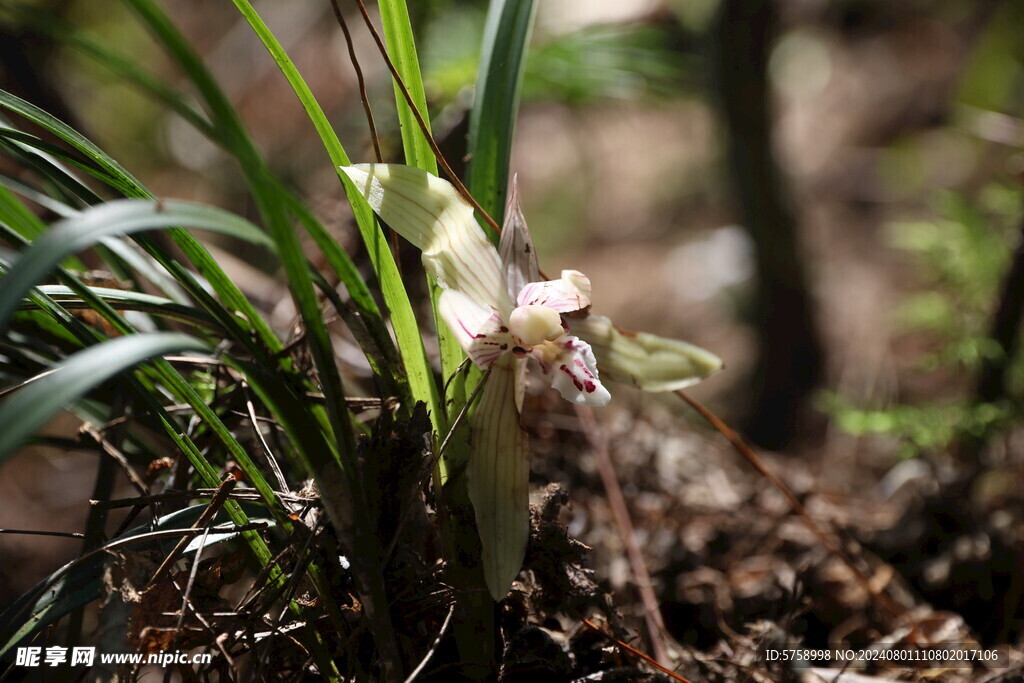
[{"x": 503, "y": 314}]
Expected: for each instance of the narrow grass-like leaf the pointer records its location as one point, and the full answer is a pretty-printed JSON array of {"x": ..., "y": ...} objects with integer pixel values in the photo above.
[
  {"x": 341, "y": 495},
  {"x": 27, "y": 410},
  {"x": 21, "y": 220},
  {"x": 336, "y": 471},
  {"x": 119, "y": 217},
  {"x": 378, "y": 346},
  {"x": 124, "y": 300},
  {"x": 206, "y": 472},
  {"x": 66, "y": 133},
  {"x": 182, "y": 392},
  {"x": 407, "y": 334},
  {"x": 236, "y": 141},
  {"x": 57, "y": 178},
  {"x": 493, "y": 117},
  {"x": 401, "y": 44},
  {"x": 458, "y": 533},
  {"x": 230, "y": 132},
  {"x": 78, "y": 161},
  {"x": 44, "y": 200},
  {"x": 41, "y": 341},
  {"x": 205, "y": 264},
  {"x": 350, "y": 515},
  {"x": 165, "y": 372},
  {"x": 181, "y": 389},
  {"x": 122, "y": 257}
]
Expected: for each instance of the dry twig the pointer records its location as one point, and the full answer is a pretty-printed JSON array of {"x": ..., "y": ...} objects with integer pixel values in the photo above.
[
  {"x": 633, "y": 651},
  {"x": 433, "y": 648},
  {"x": 204, "y": 520},
  {"x": 652, "y": 611}
]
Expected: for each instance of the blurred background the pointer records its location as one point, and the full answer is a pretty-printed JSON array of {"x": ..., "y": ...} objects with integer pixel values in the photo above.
[{"x": 826, "y": 194}]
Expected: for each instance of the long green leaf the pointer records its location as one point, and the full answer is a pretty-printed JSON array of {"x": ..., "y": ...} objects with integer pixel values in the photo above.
[
  {"x": 21, "y": 220},
  {"x": 183, "y": 392},
  {"x": 337, "y": 471},
  {"x": 205, "y": 264},
  {"x": 380, "y": 350},
  {"x": 407, "y": 333},
  {"x": 353, "y": 516},
  {"x": 342, "y": 495},
  {"x": 125, "y": 300},
  {"x": 179, "y": 388},
  {"x": 474, "y": 632},
  {"x": 207, "y": 473},
  {"x": 40, "y": 198},
  {"x": 493, "y": 117},
  {"x": 60, "y": 182},
  {"x": 401, "y": 44},
  {"x": 118, "y": 217},
  {"x": 32, "y": 407},
  {"x": 66, "y": 133},
  {"x": 229, "y": 132},
  {"x": 71, "y": 158},
  {"x": 122, "y": 257}
]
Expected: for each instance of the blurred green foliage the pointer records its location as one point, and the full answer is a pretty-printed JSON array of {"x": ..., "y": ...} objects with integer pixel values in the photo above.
[
  {"x": 993, "y": 74},
  {"x": 918, "y": 428},
  {"x": 961, "y": 254},
  {"x": 961, "y": 257},
  {"x": 622, "y": 61}
]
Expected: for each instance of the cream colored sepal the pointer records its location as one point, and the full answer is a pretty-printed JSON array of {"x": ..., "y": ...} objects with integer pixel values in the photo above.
[
  {"x": 644, "y": 360},
  {"x": 499, "y": 478}
]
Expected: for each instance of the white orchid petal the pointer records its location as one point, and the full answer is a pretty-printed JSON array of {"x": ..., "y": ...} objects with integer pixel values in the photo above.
[
  {"x": 572, "y": 369},
  {"x": 429, "y": 212},
  {"x": 479, "y": 329},
  {"x": 645, "y": 360},
  {"x": 570, "y": 293},
  {"x": 499, "y": 477},
  {"x": 516, "y": 247}
]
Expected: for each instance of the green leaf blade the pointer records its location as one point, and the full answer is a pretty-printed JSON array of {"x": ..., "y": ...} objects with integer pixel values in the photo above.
[
  {"x": 29, "y": 409},
  {"x": 499, "y": 83},
  {"x": 113, "y": 218}
]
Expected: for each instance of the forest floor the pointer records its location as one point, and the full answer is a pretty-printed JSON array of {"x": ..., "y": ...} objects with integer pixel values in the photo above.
[
  {"x": 920, "y": 556},
  {"x": 736, "y": 570}
]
